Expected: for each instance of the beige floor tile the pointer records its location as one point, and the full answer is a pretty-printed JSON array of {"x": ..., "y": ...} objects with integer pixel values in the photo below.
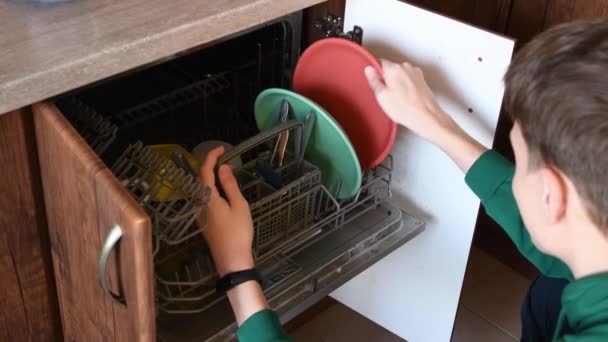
[
  {"x": 310, "y": 332},
  {"x": 495, "y": 294},
  {"x": 341, "y": 324},
  {"x": 479, "y": 265},
  {"x": 489, "y": 310},
  {"x": 470, "y": 327}
]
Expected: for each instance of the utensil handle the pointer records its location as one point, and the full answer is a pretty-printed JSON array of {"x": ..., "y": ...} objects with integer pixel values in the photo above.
[
  {"x": 112, "y": 239},
  {"x": 283, "y": 139},
  {"x": 266, "y": 136}
]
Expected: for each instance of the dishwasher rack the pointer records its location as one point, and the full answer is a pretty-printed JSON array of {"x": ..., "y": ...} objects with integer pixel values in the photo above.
[
  {"x": 191, "y": 289},
  {"x": 98, "y": 131},
  {"x": 145, "y": 174},
  {"x": 185, "y": 101}
]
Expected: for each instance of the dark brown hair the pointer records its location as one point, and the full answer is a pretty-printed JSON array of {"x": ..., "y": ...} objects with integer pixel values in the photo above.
[{"x": 557, "y": 90}]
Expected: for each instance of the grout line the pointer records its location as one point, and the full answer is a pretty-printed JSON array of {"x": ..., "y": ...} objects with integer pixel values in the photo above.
[
  {"x": 490, "y": 321},
  {"x": 498, "y": 267}
]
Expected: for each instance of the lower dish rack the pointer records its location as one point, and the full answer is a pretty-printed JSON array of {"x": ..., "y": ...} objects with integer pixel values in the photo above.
[{"x": 284, "y": 219}]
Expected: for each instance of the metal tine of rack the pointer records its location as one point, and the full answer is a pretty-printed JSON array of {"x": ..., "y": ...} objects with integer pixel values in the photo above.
[
  {"x": 190, "y": 285},
  {"x": 380, "y": 173},
  {"x": 210, "y": 85},
  {"x": 96, "y": 129},
  {"x": 335, "y": 190},
  {"x": 196, "y": 297},
  {"x": 155, "y": 245},
  {"x": 172, "y": 198},
  {"x": 374, "y": 190}
]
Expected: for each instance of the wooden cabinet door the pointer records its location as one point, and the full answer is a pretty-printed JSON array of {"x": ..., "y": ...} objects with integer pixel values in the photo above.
[{"x": 84, "y": 201}]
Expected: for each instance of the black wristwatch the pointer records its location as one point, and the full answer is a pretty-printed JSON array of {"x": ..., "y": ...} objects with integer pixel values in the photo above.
[{"x": 231, "y": 280}]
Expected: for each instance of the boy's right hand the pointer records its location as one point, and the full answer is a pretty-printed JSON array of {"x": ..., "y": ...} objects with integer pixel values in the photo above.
[
  {"x": 406, "y": 98},
  {"x": 229, "y": 231}
]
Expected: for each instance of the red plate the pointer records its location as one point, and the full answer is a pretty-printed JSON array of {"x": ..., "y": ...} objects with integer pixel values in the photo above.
[{"x": 330, "y": 72}]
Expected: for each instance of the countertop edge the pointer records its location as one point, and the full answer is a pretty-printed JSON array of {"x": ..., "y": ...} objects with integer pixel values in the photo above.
[{"x": 144, "y": 50}]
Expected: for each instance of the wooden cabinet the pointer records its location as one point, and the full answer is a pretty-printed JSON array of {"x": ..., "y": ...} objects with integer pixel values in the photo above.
[
  {"x": 79, "y": 188},
  {"x": 84, "y": 202},
  {"x": 519, "y": 19},
  {"x": 28, "y": 310},
  {"x": 528, "y": 18}
]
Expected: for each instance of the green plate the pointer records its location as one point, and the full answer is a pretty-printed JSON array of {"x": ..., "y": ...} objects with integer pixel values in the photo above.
[{"x": 328, "y": 148}]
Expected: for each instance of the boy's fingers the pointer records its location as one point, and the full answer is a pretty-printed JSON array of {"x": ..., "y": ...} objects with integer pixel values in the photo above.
[
  {"x": 374, "y": 79},
  {"x": 230, "y": 186},
  {"x": 387, "y": 65},
  {"x": 207, "y": 169}
]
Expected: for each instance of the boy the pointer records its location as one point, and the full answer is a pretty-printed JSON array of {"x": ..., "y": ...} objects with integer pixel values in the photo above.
[{"x": 553, "y": 203}]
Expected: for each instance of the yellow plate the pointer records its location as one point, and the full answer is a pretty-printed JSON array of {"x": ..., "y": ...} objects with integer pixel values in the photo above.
[{"x": 167, "y": 192}]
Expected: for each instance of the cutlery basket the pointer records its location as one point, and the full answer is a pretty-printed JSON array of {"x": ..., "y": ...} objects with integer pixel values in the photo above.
[{"x": 278, "y": 213}]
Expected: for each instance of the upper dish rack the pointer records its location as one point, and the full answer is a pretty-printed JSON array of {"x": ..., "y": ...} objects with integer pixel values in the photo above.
[{"x": 97, "y": 130}]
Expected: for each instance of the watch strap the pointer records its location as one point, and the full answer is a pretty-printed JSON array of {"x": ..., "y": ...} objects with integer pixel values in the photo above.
[{"x": 234, "y": 279}]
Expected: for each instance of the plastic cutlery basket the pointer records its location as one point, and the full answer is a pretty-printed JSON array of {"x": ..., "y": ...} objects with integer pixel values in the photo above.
[{"x": 277, "y": 213}]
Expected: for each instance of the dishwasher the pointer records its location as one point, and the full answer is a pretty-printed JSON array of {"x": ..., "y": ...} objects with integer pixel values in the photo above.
[{"x": 306, "y": 242}]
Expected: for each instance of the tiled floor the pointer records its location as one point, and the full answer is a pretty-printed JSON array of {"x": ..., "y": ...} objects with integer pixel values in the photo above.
[
  {"x": 491, "y": 296},
  {"x": 489, "y": 310},
  {"x": 341, "y": 324}
]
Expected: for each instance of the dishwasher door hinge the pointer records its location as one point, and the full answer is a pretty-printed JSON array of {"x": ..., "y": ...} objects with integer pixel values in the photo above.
[{"x": 332, "y": 26}]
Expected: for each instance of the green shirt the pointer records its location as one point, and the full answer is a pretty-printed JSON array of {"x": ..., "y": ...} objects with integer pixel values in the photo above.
[
  {"x": 584, "y": 301},
  {"x": 263, "y": 326}
]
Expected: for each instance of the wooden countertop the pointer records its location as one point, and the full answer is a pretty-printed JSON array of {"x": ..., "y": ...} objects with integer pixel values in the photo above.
[{"x": 48, "y": 49}]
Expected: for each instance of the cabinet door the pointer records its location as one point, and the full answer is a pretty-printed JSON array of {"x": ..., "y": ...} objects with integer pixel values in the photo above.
[
  {"x": 418, "y": 286},
  {"x": 84, "y": 202}
]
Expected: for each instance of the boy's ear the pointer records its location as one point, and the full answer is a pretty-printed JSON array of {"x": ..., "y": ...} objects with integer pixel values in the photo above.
[{"x": 555, "y": 196}]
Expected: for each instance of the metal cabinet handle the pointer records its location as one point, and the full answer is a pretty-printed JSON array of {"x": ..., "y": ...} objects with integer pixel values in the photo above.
[{"x": 111, "y": 239}]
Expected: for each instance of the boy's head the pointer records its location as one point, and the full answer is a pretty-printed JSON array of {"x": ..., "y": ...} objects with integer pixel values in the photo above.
[{"x": 557, "y": 95}]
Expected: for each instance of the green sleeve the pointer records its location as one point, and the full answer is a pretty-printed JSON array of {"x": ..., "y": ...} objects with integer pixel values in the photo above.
[
  {"x": 585, "y": 306},
  {"x": 263, "y": 326},
  {"x": 490, "y": 178}
]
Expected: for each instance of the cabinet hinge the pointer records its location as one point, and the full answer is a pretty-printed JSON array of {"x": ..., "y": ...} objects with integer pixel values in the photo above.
[{"x": 332, "y": 26}]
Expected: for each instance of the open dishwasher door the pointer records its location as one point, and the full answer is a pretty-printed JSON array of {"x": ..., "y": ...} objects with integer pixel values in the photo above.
[{"x": 414, "y": 291}]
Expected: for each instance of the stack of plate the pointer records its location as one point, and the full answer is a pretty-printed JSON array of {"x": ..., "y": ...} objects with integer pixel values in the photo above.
[{"x": 352, "y": 134}]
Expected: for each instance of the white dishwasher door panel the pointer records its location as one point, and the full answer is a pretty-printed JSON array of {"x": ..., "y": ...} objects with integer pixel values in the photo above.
[{"x": 414, "y": 291}]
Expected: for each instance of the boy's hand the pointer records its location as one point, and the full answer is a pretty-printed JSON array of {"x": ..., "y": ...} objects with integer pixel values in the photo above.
[
  {"x": 406, "y": 98},
  {"x": 229, "y": 231},
  {"x": 229, "y": 234}
]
